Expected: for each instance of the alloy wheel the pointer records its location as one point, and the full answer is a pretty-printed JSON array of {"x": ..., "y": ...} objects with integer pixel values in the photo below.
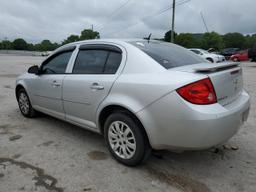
[
  {"x": 24, "y": 103},
  {"x": 122, "y": 140}
]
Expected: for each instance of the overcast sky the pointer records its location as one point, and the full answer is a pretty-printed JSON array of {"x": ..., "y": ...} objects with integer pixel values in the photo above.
[{"x": 35, "y": 20}]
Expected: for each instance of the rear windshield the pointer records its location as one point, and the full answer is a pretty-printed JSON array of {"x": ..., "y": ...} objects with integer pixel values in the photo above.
[{"x": 168, "y": 55}]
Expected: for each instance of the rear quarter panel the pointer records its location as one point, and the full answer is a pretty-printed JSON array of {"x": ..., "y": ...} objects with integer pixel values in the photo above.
[{"x": 137, "y": 91}]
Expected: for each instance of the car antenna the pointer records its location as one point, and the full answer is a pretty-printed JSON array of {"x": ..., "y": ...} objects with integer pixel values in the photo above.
[{"x": 149, "y": 37}]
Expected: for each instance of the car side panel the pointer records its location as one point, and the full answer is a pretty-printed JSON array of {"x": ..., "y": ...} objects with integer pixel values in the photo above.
[
  {"x": 137, "y": 91},
  {"x": 173, "y": 123},
  {"x": 24, "y": 82},
  {"x": 46, "y": 101},
  {"x": 80, "y": 100}
]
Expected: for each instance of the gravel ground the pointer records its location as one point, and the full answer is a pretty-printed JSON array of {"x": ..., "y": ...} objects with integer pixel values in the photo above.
[{"x": 45, "y": 154}]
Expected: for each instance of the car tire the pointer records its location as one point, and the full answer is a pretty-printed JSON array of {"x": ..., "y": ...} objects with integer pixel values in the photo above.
[
  {"x": 210, "y": 59},
  {"x": 125, "y": 139},
  {"x": 25, "y": 106}
]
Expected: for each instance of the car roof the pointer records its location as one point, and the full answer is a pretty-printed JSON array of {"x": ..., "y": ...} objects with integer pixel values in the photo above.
[
  {"x": 117, "y": 41},
  {"x": 150, "y": 65}
]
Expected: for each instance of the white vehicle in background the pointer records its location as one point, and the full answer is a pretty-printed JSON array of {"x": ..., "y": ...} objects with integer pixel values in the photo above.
[
  {"x": 46, "y": 53},
  {"x": 212, "y": 57}
]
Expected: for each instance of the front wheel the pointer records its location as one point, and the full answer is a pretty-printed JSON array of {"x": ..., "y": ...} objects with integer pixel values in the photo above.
[
  {"x": 24, "y": 104},
  {"x": 210, "y": 60},
  {"x": 125, "y": 139}
]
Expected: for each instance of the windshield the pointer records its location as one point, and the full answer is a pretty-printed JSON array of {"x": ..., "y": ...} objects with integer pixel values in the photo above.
[{"x": 168, "y": 55}]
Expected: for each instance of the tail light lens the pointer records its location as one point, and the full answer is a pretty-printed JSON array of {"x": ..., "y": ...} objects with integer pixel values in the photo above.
[{"x": 201, "y": 92}]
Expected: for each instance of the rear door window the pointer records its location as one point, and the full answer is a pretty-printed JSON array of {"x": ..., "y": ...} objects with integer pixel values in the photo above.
[
  {"x": 97, "y": 62},
  {"x": 113, "y": 63},
  {"x": 90, "y": 62}
]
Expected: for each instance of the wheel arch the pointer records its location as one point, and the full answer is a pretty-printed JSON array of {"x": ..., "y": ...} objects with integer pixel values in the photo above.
[
  {"x": 22, "y": 85},
  {"x": 18, "y": 87},
  {"x": 210, "y": 59},
  {"x": 109, "y": 109}
]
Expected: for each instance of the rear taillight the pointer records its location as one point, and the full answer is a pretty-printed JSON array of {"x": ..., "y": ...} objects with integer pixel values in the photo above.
[{"x": 201, "y": 92}]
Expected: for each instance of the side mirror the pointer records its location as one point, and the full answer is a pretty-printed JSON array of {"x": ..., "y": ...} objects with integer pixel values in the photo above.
[{"x": 34, "y": 70}]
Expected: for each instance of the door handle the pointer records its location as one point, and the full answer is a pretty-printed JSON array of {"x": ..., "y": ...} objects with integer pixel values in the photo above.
[
  {"x": 96, "y": 86},
  {"x": 56, "y": 84}
]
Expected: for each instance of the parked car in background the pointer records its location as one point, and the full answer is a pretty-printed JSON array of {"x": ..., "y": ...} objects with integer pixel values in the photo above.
[
  {"x": 46, "y": 53},
  {"x": 240, "y": 56},
  {"x": 211, "y": 50},
  {"x": 140, "y": 95},
  {"x": 228, "y": 52},
  {"x": 252, "y": 53},
  {"x": 212, "y": 57},
  {"x": 214, "y": 51}
]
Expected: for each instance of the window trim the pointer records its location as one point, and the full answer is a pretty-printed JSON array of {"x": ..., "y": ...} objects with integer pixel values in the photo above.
[
  {"x": 58, "y": 52},
  {"x": 103, "y": 47},
  {"x": 105, "y": 64}
]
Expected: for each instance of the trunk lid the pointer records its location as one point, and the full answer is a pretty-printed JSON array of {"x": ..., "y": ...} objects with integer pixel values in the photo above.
[{"x": 226, "y": 78}]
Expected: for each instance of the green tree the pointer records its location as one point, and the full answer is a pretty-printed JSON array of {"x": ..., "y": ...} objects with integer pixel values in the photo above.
[
  {"x": 46, "y": 45},
  {"x": 31, "y": 47},
  {"x": 250, "y": 41},
  {"x": 20, "y": 44},
  {"x": 167, "y": 36},
  {"x": 187, "y": 40},
  {"x": 236, "y": 40},
  {"x": 212, "y": 40},
  {"x": 37, "y": 47},
  {"x": 6, "y": 44},
  {"x": 71, "y": 39},
  {"x": 89, "y": 34},
  {"x": 56, "y": 45}
]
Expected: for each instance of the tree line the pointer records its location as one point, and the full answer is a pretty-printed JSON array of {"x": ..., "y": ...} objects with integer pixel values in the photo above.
[
  {"x": 188, "y": 40},
  {"x": 47, "y": 45},
  {"x": 213, "y": 40}
]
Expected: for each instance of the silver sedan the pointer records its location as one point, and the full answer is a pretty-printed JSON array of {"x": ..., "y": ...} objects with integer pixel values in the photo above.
[{"x": 141, "y": 95}]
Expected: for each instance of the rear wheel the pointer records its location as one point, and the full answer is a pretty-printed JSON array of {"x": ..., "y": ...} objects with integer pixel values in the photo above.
[
  {"x": 125, "y": 139},
  {"x": 25, "y": 106}
]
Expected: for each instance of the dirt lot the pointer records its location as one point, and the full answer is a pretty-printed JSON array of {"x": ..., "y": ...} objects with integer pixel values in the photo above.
[{"x": 45, "y": 154}]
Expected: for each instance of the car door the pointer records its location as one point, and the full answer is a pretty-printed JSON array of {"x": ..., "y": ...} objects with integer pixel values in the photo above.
[
  {"x": 47, "y": 86},
  {"x": 93, "y": 75},
  {"x": 244, "y": 56}
]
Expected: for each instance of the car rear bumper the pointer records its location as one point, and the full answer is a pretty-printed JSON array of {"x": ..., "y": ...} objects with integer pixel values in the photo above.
[{"x": 172, "y": 123}]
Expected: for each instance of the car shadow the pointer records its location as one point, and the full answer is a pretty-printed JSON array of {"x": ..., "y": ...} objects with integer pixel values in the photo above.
[
  {"x": 185, "y": 171},
  {"x": 220, "y": 153},
  {"x": 216, "y": 153}
]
